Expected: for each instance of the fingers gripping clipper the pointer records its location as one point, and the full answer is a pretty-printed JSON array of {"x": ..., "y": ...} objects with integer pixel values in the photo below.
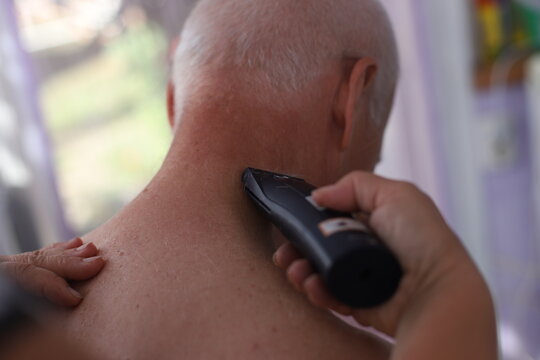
[{"x": 356, "y": 267}]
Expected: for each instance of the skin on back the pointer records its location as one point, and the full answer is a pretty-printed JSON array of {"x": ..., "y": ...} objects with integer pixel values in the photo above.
[{"x": 189, "y": 281}]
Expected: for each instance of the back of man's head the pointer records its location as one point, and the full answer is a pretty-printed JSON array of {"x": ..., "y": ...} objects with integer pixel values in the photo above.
[{"x": 280, "y": 48}]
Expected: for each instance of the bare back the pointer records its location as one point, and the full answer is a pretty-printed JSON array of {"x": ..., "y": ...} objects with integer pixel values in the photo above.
[{"x": 203, "y": 291}]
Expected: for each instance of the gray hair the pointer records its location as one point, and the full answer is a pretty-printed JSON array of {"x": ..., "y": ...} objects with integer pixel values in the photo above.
[{"x": 285, "y": 44}]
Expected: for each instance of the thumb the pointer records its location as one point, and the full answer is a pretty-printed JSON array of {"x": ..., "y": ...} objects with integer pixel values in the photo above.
[{"x": 358, "y": 191}]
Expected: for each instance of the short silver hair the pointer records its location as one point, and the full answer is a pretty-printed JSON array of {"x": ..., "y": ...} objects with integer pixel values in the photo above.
[{"x": 284, "y": 45}]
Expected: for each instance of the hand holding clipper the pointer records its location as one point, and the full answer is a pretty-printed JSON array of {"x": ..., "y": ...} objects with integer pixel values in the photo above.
[
  {"x": 442, "y": 301},
  {"x": 356, "y": 267}
]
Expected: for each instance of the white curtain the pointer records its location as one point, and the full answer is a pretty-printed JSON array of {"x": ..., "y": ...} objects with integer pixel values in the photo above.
[
  {"x": 430, "y": 139},
  {"x": 30, "y": 211}
]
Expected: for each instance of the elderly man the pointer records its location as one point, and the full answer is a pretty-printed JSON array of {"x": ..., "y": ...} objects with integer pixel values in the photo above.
[{"x": 302, "y": 87}]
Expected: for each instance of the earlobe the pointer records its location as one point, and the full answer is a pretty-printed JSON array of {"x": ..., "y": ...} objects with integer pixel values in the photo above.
[
  {"x": 170, "y": 103},
  {"x": 360, "y": 79}
]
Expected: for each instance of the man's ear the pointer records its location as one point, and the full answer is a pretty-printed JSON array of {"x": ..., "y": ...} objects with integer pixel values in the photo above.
[
  {"x": 349, "y": 102},
  {"x": 170, "y": 103}
]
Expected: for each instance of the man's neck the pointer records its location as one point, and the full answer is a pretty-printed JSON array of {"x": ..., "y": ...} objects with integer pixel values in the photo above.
[
  {"x": 199, "y": 185},
  {"x": 235, "y": 134}
]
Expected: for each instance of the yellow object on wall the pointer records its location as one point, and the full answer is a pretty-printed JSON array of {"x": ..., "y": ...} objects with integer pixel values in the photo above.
[{"x": 491, "y": 21}]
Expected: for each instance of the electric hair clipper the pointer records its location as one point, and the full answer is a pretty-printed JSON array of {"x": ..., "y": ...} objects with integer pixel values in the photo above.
[{"x": 356, "y": 267}]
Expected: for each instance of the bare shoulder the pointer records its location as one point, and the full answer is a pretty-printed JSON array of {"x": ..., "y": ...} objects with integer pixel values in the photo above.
[{"x": 190, "y": 312}]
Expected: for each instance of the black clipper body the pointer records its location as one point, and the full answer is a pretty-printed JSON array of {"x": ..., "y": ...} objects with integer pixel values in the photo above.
[{"x": 357, "y": 268}]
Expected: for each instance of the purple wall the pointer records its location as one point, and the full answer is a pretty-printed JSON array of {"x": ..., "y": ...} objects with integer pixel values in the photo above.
[{"x": 514, "y": 245}]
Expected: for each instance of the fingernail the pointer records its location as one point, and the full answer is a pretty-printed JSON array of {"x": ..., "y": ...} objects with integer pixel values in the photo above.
[
  {"x": 321, "y": 190},
  {"x": 274, "y": 259},
  {"x": 75, "y": 293},
  {"x": 92, "y": 259},
  {"x": 82, "y": 247},
  {"x": 72, "y": 240}
]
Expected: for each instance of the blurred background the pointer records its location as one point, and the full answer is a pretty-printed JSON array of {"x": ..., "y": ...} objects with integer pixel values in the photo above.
[{"x": 83, "y": 125}]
